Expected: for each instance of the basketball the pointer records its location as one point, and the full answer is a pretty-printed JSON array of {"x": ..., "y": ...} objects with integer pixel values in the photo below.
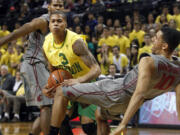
[{"x": 57, "y": 77}]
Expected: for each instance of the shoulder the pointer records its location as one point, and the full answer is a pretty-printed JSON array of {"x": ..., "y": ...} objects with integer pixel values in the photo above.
[
  {"x": 147, "y": 61},
  {"x": 79, "y": 46},
  {"x": 47, "y": 41},
  {"x": 45, "y": 17},
  {"x": 49, "y": 36}
]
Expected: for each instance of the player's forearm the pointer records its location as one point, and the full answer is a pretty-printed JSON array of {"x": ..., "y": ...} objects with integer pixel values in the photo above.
[
  {"x": 24, "y": 30},
  {"x": 92, "y": 74},
  {"x": 135, "y": 102}
]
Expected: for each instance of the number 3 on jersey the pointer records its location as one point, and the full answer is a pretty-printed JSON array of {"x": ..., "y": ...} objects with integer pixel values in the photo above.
[
  {"x": 63, "y": 59},
  {"x": 165, "y": 82}
]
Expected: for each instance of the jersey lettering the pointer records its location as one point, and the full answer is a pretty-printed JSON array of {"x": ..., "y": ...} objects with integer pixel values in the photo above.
[
  {"x": 165, "y": 82},
  {"x": 63, "y": 59}
]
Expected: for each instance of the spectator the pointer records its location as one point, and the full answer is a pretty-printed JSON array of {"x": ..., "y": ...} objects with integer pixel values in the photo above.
[
  {"x": 7, "y": 57},
  {"x": 113, "y": 72},
  {"x": 163, "y": 20},
  {"x": 98, "y": 31},
  {"x": 120, "y": 60},
  {"x": 109, "y": 22},
  {"x": 6, "y": 83},
  {"x": 165, "y": 12},
  {"x": 134, "y": 47},
  {"x": 152, "y": 32},
  {"x": 78, "y": 30},
  {"x": 123, "y": 42},
  {"x": 100, "y": 20},
  {"x": 4, "y": 32},
  {"x": 158, "y": 26},
  {"x": 92, "y": 22},
  {"x": 116, "y": 23},
  {"x": 147, "y": 47},
  {"x": 127, "y": 19},
  {"x": 105, "y": 37},
  {"x": 176, "y": 15},
  {"x": 88, "y": 32},
  {"x": 105, "y": 59},
  {"x": 172, "y": 24},
  {"x": 76, "y": 22},
  {"x": 16, "y": 99},
  {"x": 128, "y": 26},
  {"x": 16, "y": 60},
  {"x": 137, "y": 33}
]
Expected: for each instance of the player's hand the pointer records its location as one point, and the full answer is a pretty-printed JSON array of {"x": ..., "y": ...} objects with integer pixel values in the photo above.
[
  {"x": 70, "y": 82},
  {"x": 120, "y": 129},
  {"x": 49, "y": 92}
]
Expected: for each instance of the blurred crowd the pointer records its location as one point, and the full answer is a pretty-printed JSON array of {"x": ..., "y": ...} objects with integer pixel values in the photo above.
[{"x": 115, "y": 35}]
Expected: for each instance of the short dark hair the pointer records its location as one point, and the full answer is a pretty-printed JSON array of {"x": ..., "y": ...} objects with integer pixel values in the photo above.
[
  {"x": 171, "y": 37},
  {"x": 59, "y": 13},
  {"x": 147, "y": 35},
  {"x": 116, "y": 46}
]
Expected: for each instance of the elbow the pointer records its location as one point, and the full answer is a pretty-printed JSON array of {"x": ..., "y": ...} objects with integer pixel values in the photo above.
[{"x": 97, "y": 71}]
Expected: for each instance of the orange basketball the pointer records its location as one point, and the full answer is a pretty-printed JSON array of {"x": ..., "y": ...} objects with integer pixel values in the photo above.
[{"x": 57, "y": 77}]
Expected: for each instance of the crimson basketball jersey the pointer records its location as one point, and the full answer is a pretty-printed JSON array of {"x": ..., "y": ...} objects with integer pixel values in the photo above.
[{"x": 165, "y": 78}]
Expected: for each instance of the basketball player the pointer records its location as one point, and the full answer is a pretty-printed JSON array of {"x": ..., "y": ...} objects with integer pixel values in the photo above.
[
  {"x": 156, "y": 74},
  {"x": 66, "y": 50},
  {"x": 33, "y": 68}
]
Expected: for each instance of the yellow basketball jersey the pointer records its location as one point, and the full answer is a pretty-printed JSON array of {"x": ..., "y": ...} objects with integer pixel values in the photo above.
[{"x": 62, "y": 55}]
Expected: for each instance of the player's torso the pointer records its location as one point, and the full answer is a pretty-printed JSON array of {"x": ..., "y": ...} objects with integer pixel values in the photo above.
[
  {"x": 35, "y": 43},
  {"x": 165, "y": 78},
  {"x": 62, "y": 55}
]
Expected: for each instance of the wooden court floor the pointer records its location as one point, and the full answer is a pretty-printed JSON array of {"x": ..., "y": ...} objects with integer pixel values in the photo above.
[{"x": 24, "y": 128}]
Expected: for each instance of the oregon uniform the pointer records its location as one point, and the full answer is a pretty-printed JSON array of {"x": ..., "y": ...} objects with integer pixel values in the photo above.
[{"x": 62, "y": 56}]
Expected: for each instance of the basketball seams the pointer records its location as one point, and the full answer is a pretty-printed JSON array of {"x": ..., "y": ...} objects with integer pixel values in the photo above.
[
  {"x": 60, "y": 76},
  {"x": 57, "y": 77}
]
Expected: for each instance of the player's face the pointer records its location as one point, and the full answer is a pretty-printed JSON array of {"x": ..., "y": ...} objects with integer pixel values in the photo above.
[
  {"x": 56, "y": 5},
  {"x": 57, "y": 23},
  {"x": 157, "y": 43}
]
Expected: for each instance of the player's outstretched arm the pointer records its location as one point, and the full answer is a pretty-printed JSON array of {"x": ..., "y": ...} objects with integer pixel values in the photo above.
[
  {"x": 82, "y": 51},
  {"x": 146, "y": 70},
  {"x": 35, "y": 24},
  {"x": 177, "y": 89}
]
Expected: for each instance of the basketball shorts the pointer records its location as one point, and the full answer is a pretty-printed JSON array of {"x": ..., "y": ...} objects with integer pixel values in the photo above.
[{"x": 35, "y": 78}]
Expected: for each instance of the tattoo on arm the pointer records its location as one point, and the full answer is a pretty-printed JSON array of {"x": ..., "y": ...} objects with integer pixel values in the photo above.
[{"x": 81, "y": 50}]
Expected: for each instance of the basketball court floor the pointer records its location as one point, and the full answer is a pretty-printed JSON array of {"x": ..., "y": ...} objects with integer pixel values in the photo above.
[{"x": 23, "y": 128}]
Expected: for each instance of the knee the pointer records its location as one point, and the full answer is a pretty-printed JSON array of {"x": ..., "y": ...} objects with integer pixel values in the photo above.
[
  {"x": 90, "y": 128},
  {"x": 98, "y": 115}
]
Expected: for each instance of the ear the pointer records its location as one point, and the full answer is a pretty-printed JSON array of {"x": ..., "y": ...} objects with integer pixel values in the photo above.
[
  {"x": 48, "y": 7},
  {"x": 165, "y": 46},
  {"x": 66, "y": 24}
]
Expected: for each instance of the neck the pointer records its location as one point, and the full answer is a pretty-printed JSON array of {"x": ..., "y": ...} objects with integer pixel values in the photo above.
[
  {"x": 59, "y": 37},
  {"x": 117, "y": 56},
  {"x": 167, "y": 55}
]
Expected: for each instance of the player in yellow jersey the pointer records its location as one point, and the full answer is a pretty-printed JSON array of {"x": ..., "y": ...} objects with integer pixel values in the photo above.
[{"x": 66, "y": 49}]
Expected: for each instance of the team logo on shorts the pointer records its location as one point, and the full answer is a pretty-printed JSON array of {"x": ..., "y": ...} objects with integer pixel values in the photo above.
[{"x": 39, "y": 98}]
